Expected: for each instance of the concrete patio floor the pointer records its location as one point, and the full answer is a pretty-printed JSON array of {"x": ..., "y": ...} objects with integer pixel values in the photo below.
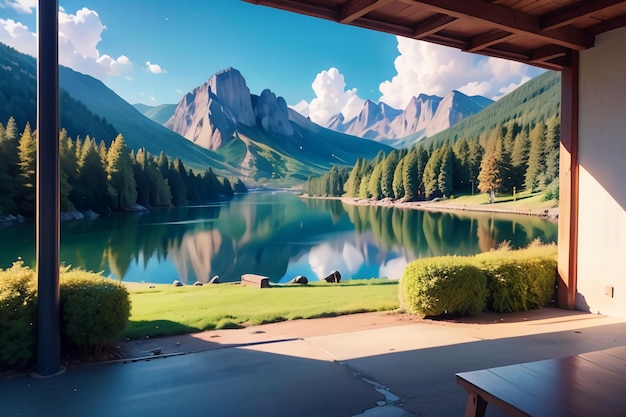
[{"x": 365, "y": 365}]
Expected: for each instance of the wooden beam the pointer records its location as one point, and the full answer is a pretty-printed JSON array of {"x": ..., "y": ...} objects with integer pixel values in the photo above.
[
  {"x": 567, "y": 269},
  {"x": 357, "y": 8},
  {"x": 605, "y": 26},
  {"x": 301, "y": 7},
  {"x": 383, "y": 26},
  {"x": 432, "y": 25},
  {"x": 569, "y": 14},
  {"x": 507, "y": 19},
  {"x": 488, "y": 39},
  {"x": 548, "y": 53}
]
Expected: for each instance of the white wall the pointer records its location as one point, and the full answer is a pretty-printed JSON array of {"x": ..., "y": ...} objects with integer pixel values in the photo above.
[{"x": 602, "y": 157}]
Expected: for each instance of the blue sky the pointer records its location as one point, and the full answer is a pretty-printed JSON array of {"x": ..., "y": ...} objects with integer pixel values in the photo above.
[{"x": 155, "y": 51}]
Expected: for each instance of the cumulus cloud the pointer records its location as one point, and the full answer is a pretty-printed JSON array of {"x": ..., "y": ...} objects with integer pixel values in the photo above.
[
  {"x": 79, "y": 36},
  {"x": 154, "y": 68},
  {"x": 18, "y": 36},
  {"x": 423, "y": 67},
  {"x": 22, "y": 6},
  {"x": 331, "y": 98}
]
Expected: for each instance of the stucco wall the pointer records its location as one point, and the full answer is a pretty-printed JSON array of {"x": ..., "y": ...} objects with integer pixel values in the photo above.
[{"x": 602, "y": 157}]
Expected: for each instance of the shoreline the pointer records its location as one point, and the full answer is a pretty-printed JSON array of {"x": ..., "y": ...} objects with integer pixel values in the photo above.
[{"x": 551, "y": 214}]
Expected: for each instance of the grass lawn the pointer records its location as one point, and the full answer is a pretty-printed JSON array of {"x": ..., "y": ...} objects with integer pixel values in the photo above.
[
  {"x": 166, "y": 310},
  {"x": 523, "y": 201}
]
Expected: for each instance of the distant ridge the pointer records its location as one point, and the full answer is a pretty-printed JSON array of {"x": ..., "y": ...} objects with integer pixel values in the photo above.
[{"x": 425, "y": 115}]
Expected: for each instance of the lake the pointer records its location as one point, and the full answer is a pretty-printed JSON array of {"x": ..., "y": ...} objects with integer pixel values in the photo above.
[{"x": 278, "y": 235}]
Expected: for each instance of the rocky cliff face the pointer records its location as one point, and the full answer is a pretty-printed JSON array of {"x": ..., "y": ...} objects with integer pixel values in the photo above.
[
  {"x": 453, "y": 108},
  {"x": 424, "y": 116},
  {"x": 210, "y": 113},
  {"x": 416, "y": 117},
  {"x": 271, "y": 113}
]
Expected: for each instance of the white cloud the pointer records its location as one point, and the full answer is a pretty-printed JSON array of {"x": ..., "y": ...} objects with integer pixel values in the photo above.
[
  {"x": 331, "y": 98},
  {"x": 154, "y": 68},
  {"x": 79, "y": 36},
  {"x": 434, "y": 69},
  {"x": 22, "y": 6},
  {"x": 18, "y": 36}
]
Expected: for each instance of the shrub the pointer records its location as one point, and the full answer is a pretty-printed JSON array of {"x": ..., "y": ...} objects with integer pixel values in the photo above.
[
  {"x": 18, "y": 314},
  {"x": 519, "y": 280},
  {"x": 94, "y": 310},
  {"x": 435, "y": 286}
]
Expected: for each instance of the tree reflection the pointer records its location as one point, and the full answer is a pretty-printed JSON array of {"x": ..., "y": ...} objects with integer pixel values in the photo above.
[{"x": 277, "y": 235}]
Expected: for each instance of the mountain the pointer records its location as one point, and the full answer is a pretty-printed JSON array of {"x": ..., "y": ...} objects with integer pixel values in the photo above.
[
  {"x": 138, "y": 130},
  {"x": 537, "y": 99},
  {"x": 424, "y": 116},
  {"x": 225, "y": 127},
  {"x": 18, "y": 92},
  {"x": 260, "y": 133},
  {"x": 159, "y": 114},
  {"x": 371, "y": 123},
  {"x": 88, "y": 107}
]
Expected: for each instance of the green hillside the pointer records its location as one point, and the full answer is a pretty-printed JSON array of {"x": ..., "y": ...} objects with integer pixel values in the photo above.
[
  {"x": 159, "y": 114},
  {"x": 538, "y": 99},
  {"x": 18, "y": 91},
  {"x": 512, "y": 146}
]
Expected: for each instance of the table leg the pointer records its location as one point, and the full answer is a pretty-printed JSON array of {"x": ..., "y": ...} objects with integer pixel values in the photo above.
[{"x": 476, "y": 406}]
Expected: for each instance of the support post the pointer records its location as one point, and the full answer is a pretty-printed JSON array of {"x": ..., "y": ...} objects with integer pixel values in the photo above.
[
  {"x": 48, "y": 201},
  {"x": 568, "y": 184}
]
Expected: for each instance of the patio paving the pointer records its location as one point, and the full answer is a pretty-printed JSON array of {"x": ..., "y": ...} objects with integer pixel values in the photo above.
[{"x": 372, "y": 365}]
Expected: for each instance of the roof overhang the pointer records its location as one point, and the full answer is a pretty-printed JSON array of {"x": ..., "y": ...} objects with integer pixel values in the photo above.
[{"x": 537, "y": 32}]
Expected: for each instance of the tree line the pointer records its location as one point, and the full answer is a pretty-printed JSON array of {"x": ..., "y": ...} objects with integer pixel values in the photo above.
[
  {"x": 514, "y": 156},
  {"x": 101, "y": 178}
]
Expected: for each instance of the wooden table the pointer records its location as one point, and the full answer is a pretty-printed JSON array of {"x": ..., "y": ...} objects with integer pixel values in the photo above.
[{"x": 587, "y": 385}]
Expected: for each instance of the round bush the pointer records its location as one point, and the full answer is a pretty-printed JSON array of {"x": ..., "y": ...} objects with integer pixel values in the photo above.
[
  {"x": 450, "y": 285},
  {"x": 18, "y": 314},
  {"x": 520, "y": 284},
  {"x": 94, "y": 309}
]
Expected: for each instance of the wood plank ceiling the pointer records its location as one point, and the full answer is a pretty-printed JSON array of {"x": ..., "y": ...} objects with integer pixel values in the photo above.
[{"x": 537, "y": 32}]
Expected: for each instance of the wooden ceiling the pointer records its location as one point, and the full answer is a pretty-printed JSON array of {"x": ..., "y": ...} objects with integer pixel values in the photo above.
[{"x": 537, "y": 32}]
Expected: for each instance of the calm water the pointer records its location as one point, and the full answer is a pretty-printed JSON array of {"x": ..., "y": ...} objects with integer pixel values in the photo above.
[{"x": 274, "y": 234}]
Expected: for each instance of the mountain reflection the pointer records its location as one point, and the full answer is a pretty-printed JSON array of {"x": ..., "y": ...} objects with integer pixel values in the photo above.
[{"x": 274, "y": 234}]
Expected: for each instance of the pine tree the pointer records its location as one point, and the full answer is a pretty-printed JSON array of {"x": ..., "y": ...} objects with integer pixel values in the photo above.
[
  {"x": 553, "y": 144},
  {"x": 91, "y": 190},
  {"x": 473, "y": 162},
  {"x": 120, "y": 174},
  {"x": 68, "y": 170},
  {"x": 536, "y": 157},
  {"x": 9, "y": 175},
  {"x": 353, "y": 183},
  {"x": 410, "y": 178},
  {"x": 386, "y": 176},
  {"x": 445, "y": 179},
  {"x": 398, "y": 185},
  {"x": 27, "y": 153},
  {"x": 374, "y": 185},
  {"x": 431, "y": 173},
  {"x": 489, "y": 178}
]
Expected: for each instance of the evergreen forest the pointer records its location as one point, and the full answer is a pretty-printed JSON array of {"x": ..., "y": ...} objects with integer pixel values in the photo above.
[
  {"x": 511, "y": 146},
  {"x": 101, "y": 178}
]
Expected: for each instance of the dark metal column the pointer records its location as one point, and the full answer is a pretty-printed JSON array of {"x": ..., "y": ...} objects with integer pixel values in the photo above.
[{"x": 48, "y": 200}]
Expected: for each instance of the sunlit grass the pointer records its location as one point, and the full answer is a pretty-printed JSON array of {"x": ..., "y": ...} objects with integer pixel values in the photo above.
[
  {"x": 523, "y": 201},
  {"x": 166, "y": 310}
]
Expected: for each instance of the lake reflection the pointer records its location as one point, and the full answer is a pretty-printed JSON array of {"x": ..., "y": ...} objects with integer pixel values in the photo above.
[{"x": 274, "y": 234}]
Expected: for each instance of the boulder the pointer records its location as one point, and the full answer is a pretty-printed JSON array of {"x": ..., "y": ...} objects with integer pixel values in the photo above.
[
  {"x": 334, "y": 277},
  {"x": 300, "y": 280}
]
